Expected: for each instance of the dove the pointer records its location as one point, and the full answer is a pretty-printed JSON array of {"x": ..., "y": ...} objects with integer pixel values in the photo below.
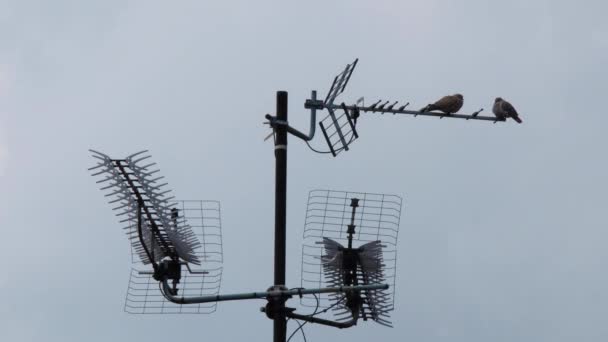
[
  {"x": 503, "y": 110},
  {"x": 448, "y": 104}
]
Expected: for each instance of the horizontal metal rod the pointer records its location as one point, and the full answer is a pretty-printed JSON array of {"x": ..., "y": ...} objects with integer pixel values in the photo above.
[
  {"x": 152, "y": 272},
  {"x": 208, "y": 299},
  {"x": 166, "y": 289},
  {"x": 413, "y": 112},
  {"x": 294, "y": 292}
]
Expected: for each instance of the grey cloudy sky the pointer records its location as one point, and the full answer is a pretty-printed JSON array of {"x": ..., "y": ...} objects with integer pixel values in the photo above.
[{"x": 504, "y": 230}]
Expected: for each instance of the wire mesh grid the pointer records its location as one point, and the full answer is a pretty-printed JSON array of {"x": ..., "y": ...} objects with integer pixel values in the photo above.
[
  {"x": 338, "y": 130},
  {"x": 143, "y": 293},
  {"x": 340, "y": 82},
  {"x": 328, "y": 214}
]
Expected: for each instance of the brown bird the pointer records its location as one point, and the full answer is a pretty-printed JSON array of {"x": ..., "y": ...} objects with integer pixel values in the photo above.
[
  {"x": 448, "y": 104},
  {"x": 503, "y": 110}
]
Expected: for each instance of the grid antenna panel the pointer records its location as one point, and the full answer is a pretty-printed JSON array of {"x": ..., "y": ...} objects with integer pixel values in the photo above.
[
  {"x": 340, "y": 82},
  {"x": 143, "y": 294},
  {"x": 328, "y": 215},
  {"x": 339, "y": 130}
]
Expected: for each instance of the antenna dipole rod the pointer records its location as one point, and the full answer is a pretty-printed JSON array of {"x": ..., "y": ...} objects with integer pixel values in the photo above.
[
  {"x": 374, "y": 109},
  {"x": 354, "y": 203},
  {"x": 280, "y": 215}
]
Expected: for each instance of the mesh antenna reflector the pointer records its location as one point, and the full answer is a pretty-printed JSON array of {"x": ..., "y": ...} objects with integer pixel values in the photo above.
[
  {"x": 338, "y": 129},
  {"x": 143, "y": 294},
  {"x": 376, "y": 222},
  {"x": 139, "y": 194},
  {"x": 340, "y": 82}
]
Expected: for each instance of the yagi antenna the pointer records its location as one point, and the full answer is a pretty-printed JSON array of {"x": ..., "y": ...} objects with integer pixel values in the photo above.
[{"x": 339, "y": 126}]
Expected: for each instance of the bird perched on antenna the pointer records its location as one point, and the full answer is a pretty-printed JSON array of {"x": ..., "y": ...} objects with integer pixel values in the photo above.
[
  {"x": 503, "y": 110},
  {"x": 448, "y": 104}
]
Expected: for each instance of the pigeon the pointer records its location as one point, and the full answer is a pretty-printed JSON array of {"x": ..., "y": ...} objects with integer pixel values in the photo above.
[
  {"x": 503, "y": 110},
  {"x": 448, "y": 104}
]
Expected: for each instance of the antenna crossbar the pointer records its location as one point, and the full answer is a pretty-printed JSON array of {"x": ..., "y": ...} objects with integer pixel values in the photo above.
[
  {"x": 275, "y": 293},
  {"x": 374, "y": 109}
]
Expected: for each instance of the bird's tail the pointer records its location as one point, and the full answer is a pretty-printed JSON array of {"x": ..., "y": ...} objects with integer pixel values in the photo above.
[{"x": 516, "y": 118}]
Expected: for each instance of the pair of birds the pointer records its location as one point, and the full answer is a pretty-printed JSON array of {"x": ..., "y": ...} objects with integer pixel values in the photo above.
[{"x": 452, "y": 103}]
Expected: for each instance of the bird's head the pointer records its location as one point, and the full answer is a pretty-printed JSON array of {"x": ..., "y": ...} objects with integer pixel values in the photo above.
[
  {"x": 498, "y": 99},
  {"x": 459, "y": 96}
]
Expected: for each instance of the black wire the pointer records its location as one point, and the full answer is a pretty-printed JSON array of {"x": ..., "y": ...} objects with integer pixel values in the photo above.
[
  {"x": 160, "y": 287},
  {"x": 352, "y": 137},
  {"x": 301, "y": 325},
  {"x": 331, "y": 306},
  {"x": 317, "y": 151}
]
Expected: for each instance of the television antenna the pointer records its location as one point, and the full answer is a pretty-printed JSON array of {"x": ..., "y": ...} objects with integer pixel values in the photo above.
[
  {"x": 339, "y": 126},
  {"x": 173, "y": 237},
  {"x": 351, "y": 237},
  {"x": 355, "y": 274}
]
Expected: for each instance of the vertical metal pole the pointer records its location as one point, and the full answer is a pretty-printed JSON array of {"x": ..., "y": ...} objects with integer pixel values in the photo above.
[{"x": 280, "y": 214}]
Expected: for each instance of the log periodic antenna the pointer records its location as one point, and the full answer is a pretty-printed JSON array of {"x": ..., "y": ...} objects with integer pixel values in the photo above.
[{"x": 339, "y": 126}]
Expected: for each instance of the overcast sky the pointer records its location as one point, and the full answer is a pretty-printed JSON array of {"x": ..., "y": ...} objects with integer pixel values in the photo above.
[{"x": 503, "y": 234}]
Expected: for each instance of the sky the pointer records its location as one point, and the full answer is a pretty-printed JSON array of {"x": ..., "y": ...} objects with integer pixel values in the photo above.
[{"x": 503, "y": 230}]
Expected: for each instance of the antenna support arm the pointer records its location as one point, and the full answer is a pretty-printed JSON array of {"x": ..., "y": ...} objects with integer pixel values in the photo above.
[
  {"x": 172, "y": 296},
  {"x": 313, "y": 119}
]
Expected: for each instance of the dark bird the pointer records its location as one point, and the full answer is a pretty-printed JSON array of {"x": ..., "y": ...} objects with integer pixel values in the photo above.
[
  {"x": 503, "y": 110},
  {"x": 448, "y": 104}
]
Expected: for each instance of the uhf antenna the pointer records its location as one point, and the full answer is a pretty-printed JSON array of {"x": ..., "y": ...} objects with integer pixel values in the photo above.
[
  {"x": 350, "y": 238},
  {"x": 165, "y": 234},
  {"x": 339, "y": 126}
]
